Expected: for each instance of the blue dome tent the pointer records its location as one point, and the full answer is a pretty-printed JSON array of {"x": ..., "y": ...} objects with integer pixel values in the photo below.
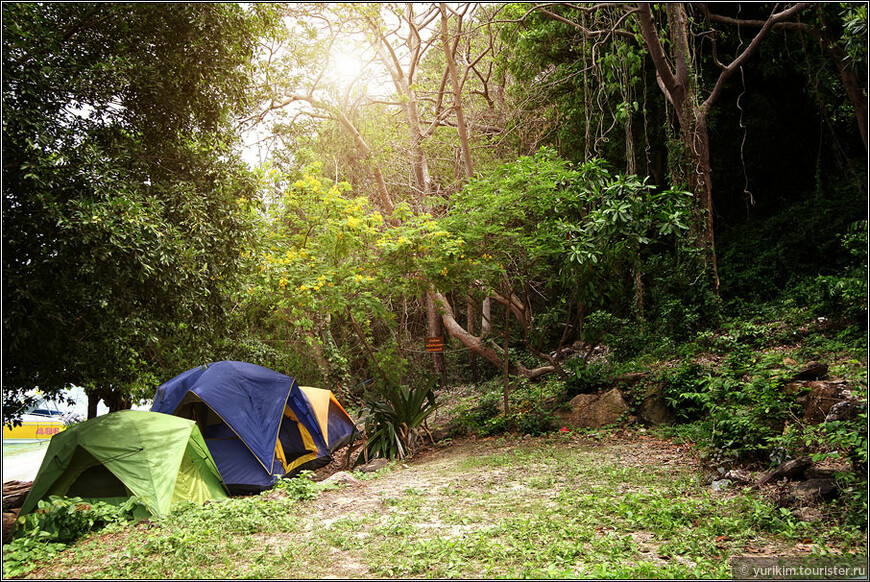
[{"x": 258, "y": 424}]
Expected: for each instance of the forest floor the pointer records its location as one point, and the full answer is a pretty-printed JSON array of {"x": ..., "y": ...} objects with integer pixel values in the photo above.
[{"x": 621, "y": 503}]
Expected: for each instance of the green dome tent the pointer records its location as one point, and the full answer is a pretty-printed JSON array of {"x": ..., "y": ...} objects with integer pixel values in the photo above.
[{"x": 154, "y": 457}]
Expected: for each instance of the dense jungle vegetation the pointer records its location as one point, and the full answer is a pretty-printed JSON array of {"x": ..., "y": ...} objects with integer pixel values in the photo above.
[{"x": 567, "y": 194}]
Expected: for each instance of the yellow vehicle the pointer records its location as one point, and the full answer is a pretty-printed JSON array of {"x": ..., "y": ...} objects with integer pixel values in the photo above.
[{"x": 36, "y": 425}]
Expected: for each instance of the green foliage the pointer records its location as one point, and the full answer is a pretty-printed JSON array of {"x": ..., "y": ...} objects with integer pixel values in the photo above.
[
  {"x": 122, "y": 235},
  {"x": 23, "y": 555},
  {"x": 394, "y": 417},
  {"x": 65, "y": 519},
  {"x": 531, "y": 409},
  {"x": 587, "y": 377},
  {"x": 843, "y": 293},
  {"x": 300, "y": 487},
  {"x": 854, "y": 16},
  {"x": 766, "y": 257},
  {"x": 686, "y": 390},
  {"x": 484, "y": 417},
  {"x": 56, "y": 522}
]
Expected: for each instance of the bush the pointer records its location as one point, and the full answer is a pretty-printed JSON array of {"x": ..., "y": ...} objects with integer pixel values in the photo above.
[
  {"x": 587, "y": 377},
  {"x": 531, "y": 409},
  {"x": 56, "y": 522},
  {"x": 300, "y": 487},
  {"x": 686, "y": 391},
  {"x": 65, "y": 519}
]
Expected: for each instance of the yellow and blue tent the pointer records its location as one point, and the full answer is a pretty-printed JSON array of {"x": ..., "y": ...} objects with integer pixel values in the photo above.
[{"x": 259, "y": 424}]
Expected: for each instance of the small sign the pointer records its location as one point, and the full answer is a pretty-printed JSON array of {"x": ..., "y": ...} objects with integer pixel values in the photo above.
[{"x": 435, "y": 344}]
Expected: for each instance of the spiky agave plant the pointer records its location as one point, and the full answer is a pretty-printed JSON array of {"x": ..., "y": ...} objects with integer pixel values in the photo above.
[{"x": 394, "y": 419}]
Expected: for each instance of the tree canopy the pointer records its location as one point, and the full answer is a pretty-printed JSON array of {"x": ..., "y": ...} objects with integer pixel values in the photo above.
[
  {"x": 121, "y": 229},
  {"x": 538, "y": 171}
]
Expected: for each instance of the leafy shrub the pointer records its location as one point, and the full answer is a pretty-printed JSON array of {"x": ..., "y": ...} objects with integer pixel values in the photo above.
[
  {"x": 23, "y": 555},
  {"x": 300, "y": 487},
  {"x": 686, "y": 391},
  {"x": 485, "y": 418},
  {"x": 531, "y": 409},
  {"x": 65, "y": 519},
  {"x": 587, "y": 377},
  {"x": 56, "y": 522}
]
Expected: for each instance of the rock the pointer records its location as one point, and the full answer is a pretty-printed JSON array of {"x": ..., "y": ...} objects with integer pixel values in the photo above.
[
  {"x": 823, "y": 396},
  {"x": 820, "y": 400},
  {"x": 816, "y": 490},
  {"x": 808, "y": 514},
  {"x": 575, "y": 407},
  {"x": 444, "y": 432},
  {"x": 720, "y": 484},
  {"x": 373, "y": 465},
  {"x": 342, "y": 478},
  {"x": 820, "y": 473},
  {"x": 653, "y": 409},
  {"x": 812, "y": 371},
  {"x": 582, "y": 401},
  {"x": 605, "y": 410},
  {"x": 788, "y": 470},
  {"x": 274, "y": 494},
  {"x": 843, "y": 410},
  {"x": 738, "y": 476}
]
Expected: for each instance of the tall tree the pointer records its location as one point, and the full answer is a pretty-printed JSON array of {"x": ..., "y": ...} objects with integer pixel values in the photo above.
[
  {"x": 674, "y": 49},
  {"x": 120, "y": 182}
]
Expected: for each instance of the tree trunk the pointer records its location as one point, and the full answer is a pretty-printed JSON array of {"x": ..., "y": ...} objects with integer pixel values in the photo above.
[
  {"x": 485, "y": 318},
  {"x": 469, "y": 325},
  {"x": 507, "y": 375},
  {"x": 457, "y": 97},
  {"x": 476, "y": 344},
  {"x": 433, "y": 319}
]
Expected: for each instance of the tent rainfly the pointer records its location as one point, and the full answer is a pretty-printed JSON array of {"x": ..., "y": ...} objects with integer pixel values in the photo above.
[
  {"x": 156, "y": 458},
  {"x": 258, "y": 424}
]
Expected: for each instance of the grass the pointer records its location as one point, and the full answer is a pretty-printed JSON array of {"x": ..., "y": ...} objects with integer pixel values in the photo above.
[{"x": 549, "y": 507}]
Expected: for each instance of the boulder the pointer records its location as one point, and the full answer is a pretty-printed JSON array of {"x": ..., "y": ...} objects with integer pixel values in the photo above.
[
  {"x": 843, "y": 410},
  {"x": 603, "y": 411},
  {"x": 818, "y": 403},
  {"x": 373, "y": 465},
  {"x": 342, "y": 478},
  {"x": 653, "y": 409},
  {"x": 739, "y": 476}
]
